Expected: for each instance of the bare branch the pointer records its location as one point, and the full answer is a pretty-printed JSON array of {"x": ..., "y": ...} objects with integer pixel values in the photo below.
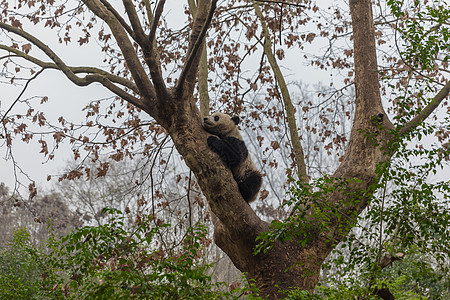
[
  {"x": 76, "y": 70},
  {"x": 52, "y": 55},
  {"x": 290, "y": 111},
  {"x": 135, "y": 23},
  {"x": 151, "y": 57},
  {"x": 69, "y": 72},
  {"x": 20, "y": 95},
  {"x": 138, "y": 34},
  {"x": 121, "y": 93},
  {"x": 426, "y": 112},
  {"x": 156, "y": 17},
  {"x": 194, "y": 48},
  {"x": 119, "y": 18},
  {"x": 151, "y": 18},
  {"x": 281, "y": 2},
  {"x": 148, "y": 46},
  {"x": 155, "y": 54},
  {"x": 96, "y": 75},
  {"x": 139, "y": 75}
]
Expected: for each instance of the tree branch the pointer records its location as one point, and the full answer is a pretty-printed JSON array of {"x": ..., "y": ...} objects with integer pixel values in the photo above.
[
  {"x": 138, "y": 34},
  {"x": 202, "y": 72},
  {"x": 148, "y": 46},
  {"x": 96, "y": 75},
  {"x": 134, "y": 65},
  {"x": 281, "y": 2},
  {"x": 76, "y": 70},
  {"x": 426, "y": 112},
  {"x": 121, "y": 93},
  {"x": 52, "y": 55},
  {"x": 153, "y": 40},
  {"x": 156, "y": 17},
  {"x": 135, "y": 23},
  {"x": 203, "y": 83},
  {"x": 20, "y": 95},
  {"x": 369, "y": 140},
  {"x": 119, "y": 18},
  {"x": 151, "y": 57},
  {"x": 190, "y": 68},
  {"x": 290, "y": 111}
]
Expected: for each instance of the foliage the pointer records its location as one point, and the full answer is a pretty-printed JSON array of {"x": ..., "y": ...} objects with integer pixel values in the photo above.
[
  {"x": 354, "y": 289},
  {"x": 407, "y": 219},
  {"x": 107, "y": 262},
  {"x": 422, "y": 275},
  {"x": 408, "y": 215},
  {"x": 421, "y": 37},
  {"x": 309, "y": 209},
  {"x": 20, "y": 269},
  {"x": 110, "y": 262},
  {"x": 422, "y": 41}
]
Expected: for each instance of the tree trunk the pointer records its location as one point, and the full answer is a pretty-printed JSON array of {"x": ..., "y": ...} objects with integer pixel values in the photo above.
[{"x": 237, "y": 225}]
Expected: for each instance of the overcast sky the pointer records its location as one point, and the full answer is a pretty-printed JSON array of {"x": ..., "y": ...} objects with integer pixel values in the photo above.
[{"x": 66, "y": 99}]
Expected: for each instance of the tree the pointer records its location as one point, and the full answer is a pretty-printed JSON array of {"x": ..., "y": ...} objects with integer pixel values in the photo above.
[
  {"x": 140, "y": 74},
  {"x": 116, "y": 189},
  {"x": 36, "y": 216}
]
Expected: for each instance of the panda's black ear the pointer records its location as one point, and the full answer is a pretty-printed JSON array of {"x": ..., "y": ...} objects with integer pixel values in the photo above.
[{"x": 235, "y": 120}]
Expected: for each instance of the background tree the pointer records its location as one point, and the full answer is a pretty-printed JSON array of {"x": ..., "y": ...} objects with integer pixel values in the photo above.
[
  {"x": 35, "y": 216},
  {"x": 159, "y": 80}
]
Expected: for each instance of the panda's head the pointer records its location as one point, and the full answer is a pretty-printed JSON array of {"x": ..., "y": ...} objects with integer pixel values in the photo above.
[{"x": 221, "y": 124}]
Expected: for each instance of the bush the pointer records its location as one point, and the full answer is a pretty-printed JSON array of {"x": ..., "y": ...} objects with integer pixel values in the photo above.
[
  {"x": 20, "y": 269},
  {"x": 110, "y": 262}
]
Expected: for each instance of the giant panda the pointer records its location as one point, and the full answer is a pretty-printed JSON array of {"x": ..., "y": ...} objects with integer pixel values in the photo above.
[{"x": 228, "y": 144}]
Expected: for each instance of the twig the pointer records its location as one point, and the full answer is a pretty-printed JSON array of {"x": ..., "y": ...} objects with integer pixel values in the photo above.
[
  {"x": 20, "y": 95},
  {"x": 281, "y": 2}
]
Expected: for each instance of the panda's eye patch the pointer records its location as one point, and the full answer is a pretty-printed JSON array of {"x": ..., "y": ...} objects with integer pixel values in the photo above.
[{"x": 216, "y": 118}]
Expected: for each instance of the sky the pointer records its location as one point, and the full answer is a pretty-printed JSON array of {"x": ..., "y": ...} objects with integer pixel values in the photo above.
[{"x": 66, "y": 99}]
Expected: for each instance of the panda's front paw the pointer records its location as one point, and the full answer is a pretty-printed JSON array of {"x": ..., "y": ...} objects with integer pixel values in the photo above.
[
  {"x": 214, "y": 144},
  {"x": 211, "y": 141}
]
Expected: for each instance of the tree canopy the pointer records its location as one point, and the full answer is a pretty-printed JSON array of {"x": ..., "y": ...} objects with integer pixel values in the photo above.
[{"x": 228, "y": 56}]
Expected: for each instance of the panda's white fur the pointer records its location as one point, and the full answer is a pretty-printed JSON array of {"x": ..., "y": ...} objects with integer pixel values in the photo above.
[{"x": 228, "y": 143}]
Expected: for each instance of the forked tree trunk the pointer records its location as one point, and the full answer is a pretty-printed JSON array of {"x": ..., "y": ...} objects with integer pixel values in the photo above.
[
  {"x": 237, "y": 226},
  {"x": 288, "y": 265}
]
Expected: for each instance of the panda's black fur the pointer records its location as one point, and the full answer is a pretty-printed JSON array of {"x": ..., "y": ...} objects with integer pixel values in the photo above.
[{"x": 228, "y": 144}]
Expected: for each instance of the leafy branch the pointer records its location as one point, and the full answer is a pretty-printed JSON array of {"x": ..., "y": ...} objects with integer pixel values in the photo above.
[
  {"x": 427, "y": 111},
  {"x": 96, "y": 75}
]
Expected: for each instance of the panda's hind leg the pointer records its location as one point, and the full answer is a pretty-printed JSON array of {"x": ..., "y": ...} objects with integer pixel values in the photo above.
[{"x": 250, "y": 186}]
